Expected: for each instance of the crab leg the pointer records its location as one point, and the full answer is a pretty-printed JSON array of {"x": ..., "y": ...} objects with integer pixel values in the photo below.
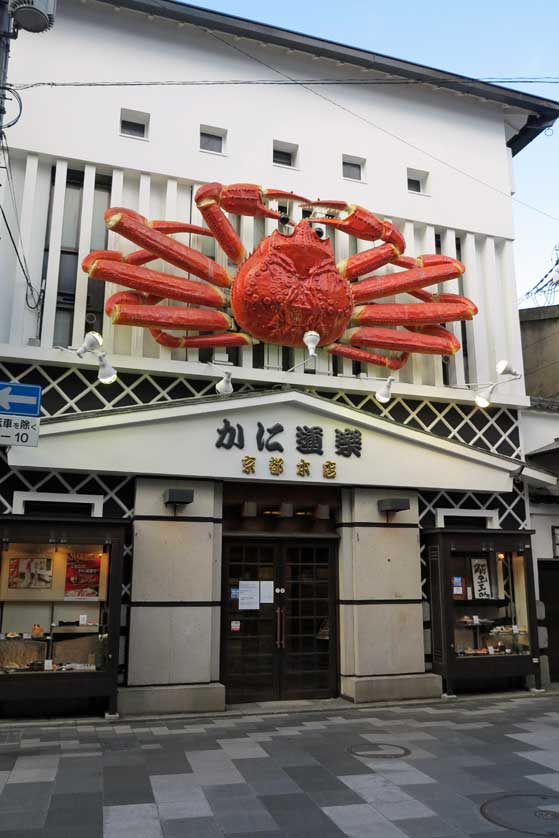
[
  {"x": 201, "y": 341},
  {"x": 375, "y": 287},
  {"x": 214, "y": 200},
  {"x": 412, "y": 314},
  {"x": 195, "y": 319},
  {"x": 431, "y": 340},
  {"x": 137, "y": 229},
  {"x": 367, "y": 357},
  {"x": 145, "y": 280}
]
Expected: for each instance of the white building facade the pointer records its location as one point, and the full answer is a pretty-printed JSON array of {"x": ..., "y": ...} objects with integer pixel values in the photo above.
[{"x": 432, "y": 155}]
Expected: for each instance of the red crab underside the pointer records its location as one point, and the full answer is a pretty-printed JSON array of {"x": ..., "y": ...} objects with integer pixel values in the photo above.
[{"x": 289, "y": 285}]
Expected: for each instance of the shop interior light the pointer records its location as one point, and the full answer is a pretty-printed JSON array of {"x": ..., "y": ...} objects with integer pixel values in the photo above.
[
  {"x": 385, "y": 393},
  {"x": 506, "y": 368},
  {"x": 107, "y": 373},
  {"x": 92, "y": 342}
]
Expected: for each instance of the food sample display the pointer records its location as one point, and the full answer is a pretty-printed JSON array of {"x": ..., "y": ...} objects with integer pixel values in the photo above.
[
  {"x": 489, "y": 605},
  {"x": 53, "y": 601}
]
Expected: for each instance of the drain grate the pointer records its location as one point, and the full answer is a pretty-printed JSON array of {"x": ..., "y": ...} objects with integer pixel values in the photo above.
[
  {"x": 530, "y": 814},
  {"x": 379, "y": 750}
]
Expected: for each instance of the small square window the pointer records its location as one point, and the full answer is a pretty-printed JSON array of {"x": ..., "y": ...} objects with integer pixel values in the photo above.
[
  {"x": 284, "y": 154},
  {"x": 353, "y": 167},
  {"x": 211, "y": 142},
  {"x": 284, "y": 158},
  {"x": 417, "y": 181},
  {"x": 134, "y": 124}
]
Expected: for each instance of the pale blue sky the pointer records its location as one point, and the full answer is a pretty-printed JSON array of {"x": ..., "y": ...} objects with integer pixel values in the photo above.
[{"x": 493, "y": 38}]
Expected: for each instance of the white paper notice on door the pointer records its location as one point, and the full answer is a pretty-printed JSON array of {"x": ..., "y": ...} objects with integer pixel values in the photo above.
[
  {"x": 249, "y": 595},
  {"x": 266, "y": 592}
]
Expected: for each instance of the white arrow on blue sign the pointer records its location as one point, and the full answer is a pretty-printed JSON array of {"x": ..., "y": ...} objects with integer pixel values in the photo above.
[{"x": 20, "y": 399}]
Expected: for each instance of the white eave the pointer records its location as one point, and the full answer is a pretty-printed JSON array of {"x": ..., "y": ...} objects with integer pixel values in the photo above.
[{"x": 179, "y": 439}]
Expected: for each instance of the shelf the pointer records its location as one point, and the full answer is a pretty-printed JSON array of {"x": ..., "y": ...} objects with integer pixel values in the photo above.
[
  {"x": 76, "y": 630},
  {"x": 480, "y": 601},
  {"x": 469, "y": 624}
]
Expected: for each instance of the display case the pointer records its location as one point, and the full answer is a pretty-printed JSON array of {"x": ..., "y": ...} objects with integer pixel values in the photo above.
[
  {"x": 483, "y": 616},
  {"x": 59, "y": 612}
]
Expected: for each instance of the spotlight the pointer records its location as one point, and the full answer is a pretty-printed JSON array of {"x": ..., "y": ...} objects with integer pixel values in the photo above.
[
  {"x": 311, "y": 341},
  {"x": 93, "y": 342},
  {"x": 483, "y": 395},
  {"x": 224, "y": 387},
  {"x": 107, "y": 374},
  {"x": 506, "y": 368},
  {"x": 385, "y": 393}
]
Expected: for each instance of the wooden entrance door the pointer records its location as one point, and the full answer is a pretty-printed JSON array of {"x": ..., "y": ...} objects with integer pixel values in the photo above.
[
  {"x": 549, "y": 594},
  {"x": 287, "y": 647}
]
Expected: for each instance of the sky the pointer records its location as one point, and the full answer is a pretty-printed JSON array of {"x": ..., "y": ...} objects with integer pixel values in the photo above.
[{"x": 482, "y": 38}]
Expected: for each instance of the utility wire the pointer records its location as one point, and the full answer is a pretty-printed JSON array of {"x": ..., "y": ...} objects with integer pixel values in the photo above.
[
  {"x": 33, "y": 297},
  {"x": 285, "y": 82},
  {"x": 389, "y": 133}
]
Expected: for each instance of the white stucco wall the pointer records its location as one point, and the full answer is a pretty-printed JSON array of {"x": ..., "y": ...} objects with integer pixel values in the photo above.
[{"x": 92, "y": 42}]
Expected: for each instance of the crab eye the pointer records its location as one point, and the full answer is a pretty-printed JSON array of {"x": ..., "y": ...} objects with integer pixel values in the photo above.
[
  {"x": 283, "y": 220},
  {"x": 319, "y": 232}
]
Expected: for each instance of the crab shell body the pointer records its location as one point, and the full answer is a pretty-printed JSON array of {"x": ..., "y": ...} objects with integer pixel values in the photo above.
[{"x": 289, "y": 286}]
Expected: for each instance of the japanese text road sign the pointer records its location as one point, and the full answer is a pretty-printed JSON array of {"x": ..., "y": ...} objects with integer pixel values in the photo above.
[
  {"x": 20, "y": 399},
  {"x": 19, "y": 430}
]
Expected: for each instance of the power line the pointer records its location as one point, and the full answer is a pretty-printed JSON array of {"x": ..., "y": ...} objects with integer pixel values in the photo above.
[
  {"x": 286, "y": 82},
  {"x": 389, "y": 133},
  {"x": 33, "y": 297}
]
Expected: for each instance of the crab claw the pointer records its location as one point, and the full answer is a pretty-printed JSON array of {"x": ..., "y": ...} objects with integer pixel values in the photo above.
[
  {"x": 338, "y": 206},
  {"x": 241, "y": 199},
  {"x": 277, "y": 194},
  {"x": 360, "y": 223}
]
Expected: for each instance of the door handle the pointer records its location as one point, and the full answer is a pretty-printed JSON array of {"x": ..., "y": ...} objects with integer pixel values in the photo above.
[
  {"x": 278, "y": 628},
  {"x": 282, "y": 628}
]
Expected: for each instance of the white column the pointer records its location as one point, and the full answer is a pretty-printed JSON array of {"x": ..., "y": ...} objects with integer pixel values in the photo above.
[
  {"x": 505, "y": 260},
  {"x": 248, "y": 239},
  {"x": 272, "y": 352},
  {"x": 343, "y": 242},
  {"x": 171, "y": 192},
  {"x": 18, "y": 332},
  {"x": 476, "y": 329},
  {"x": 84, "y": 246},
  {"x": 420, "y": 364},
  {"x": 497, "y": 337},
  {"x": 117, "y": 185},
  {"x": 137, "y": 347},
  {"x": 55, "y": 243},
  {"x": 434, "y": 362},
  {"x": 456, "y": 365}
]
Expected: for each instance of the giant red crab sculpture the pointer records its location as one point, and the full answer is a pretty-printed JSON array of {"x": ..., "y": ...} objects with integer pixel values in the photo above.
[{"x": 288, "y": 286}]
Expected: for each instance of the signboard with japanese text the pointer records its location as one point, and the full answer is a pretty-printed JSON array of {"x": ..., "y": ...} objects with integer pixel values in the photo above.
[
  {"x": 480, "y": 576},
  {"x": 308, "y": 444},
  {"x": 273, "y": 437},
  {"x": 18, "y": 430}
]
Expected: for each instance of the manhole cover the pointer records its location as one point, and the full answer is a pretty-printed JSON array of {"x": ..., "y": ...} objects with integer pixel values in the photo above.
[
  {"x": 531, "y": 814},
  {"x": 379, "y": 750}
]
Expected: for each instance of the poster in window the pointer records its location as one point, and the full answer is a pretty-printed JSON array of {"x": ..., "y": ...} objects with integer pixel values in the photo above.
[
  {"x": 83, "y": 573},
  {"x": 480, "y": 576},
  {"x": 32, "y": 573}
]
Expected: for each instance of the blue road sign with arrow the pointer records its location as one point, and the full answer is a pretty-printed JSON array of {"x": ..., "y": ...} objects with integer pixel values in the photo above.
[{"x": 20, "y": 399}]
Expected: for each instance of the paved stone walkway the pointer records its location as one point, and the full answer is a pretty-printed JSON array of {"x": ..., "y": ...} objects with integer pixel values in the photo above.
[{"x": 479, "y": 767}]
